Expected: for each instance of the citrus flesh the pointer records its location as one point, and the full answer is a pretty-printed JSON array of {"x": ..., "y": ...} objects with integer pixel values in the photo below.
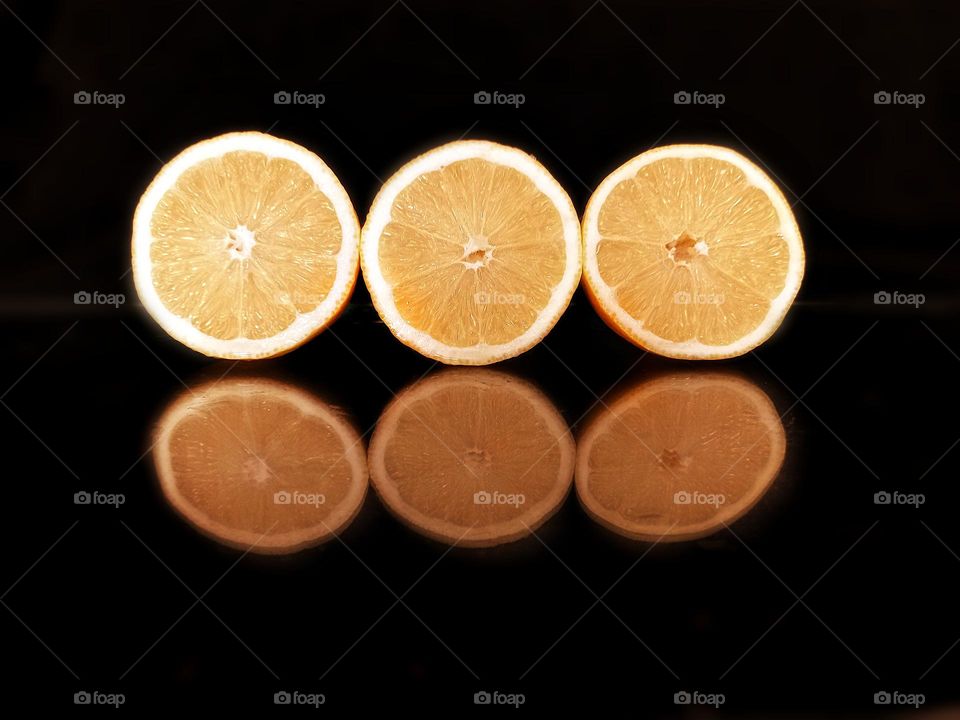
[
  {"x": 260, "y": 465},
  {"x": 691, "y": 251},
  {"x": 472, "y": 457},
  {"x": 679, "y": 457},
  {"x": 245, "y": 246},
  {"x": 471, "y": 252}
]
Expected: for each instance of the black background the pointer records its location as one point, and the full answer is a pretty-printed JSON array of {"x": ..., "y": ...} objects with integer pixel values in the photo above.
[{"x": 878, "y": 212}]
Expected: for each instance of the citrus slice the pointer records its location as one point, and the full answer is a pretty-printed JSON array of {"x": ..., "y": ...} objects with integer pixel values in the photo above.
[
  {"x": 471, "y": 252},
  {"x": 245, "y": 246},
  {"x": 691, "y": 251},
  {"x": 260, "y": 465},
  {"x": 678, "y": 457},
  {"x": 472, "y": 457}
]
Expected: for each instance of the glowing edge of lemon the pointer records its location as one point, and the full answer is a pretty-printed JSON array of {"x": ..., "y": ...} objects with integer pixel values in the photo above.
[
  {"x": 306, "y": 325},
  {"x": 789, "y": 231},
  {"x": 379, "y": 217}
]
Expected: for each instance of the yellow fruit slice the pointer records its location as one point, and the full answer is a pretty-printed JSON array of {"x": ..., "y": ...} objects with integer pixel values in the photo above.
[
  {"x": 679, "y": 456},
  {"x": 260, "y": 465},
  {"x": 691, "y": 251},
  {"x": 245, "y": 246},
  {"x": 472, "y": 457},
  {"x": 471, "y": 253}
]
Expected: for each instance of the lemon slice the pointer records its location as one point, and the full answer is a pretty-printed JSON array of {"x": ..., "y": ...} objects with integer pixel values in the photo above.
[
  {"x": 260, "y": 465},
  {"x": 471, "y": 253},
  {"x": 691, "y": 251},
  {"x": 677, "y": 457},
  {"x": 472, "y": 457},
  {"x": 245, "y": 246}
]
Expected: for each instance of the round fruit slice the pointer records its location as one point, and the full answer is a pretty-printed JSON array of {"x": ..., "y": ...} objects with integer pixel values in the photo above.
[
  {"x": 260, "y": 465},
  {"x": 471, "y": 253},
  {"x": 691, "y": 251},
  {"x": 472, "y": 457},
  {"x": 245, "y": 246},
  {"x": 678, "y": 457}
]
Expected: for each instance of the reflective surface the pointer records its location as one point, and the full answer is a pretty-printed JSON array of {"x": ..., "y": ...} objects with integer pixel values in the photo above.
[
  {"x": 699, "y": 605},
  {"x": 469, "y": 457},
  {"x": 679, "y": 456},
  {"x": 472, "y": 457},
  {"x": 259, "y": 465}
]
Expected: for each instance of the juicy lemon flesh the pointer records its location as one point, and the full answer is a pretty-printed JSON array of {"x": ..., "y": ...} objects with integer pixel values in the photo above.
[
  {"x": 711, "y": 441},
  {"x": 230, "y": 456},
  {"x": 243, "y": 244},
  {"x": 692, "y": 250},
  {"x": 472, "y": 438},
  {"x": 472, "y": 253}
]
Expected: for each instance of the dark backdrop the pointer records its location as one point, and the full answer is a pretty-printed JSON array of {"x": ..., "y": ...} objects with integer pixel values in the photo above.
[{"x": 819, "y": 600}]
